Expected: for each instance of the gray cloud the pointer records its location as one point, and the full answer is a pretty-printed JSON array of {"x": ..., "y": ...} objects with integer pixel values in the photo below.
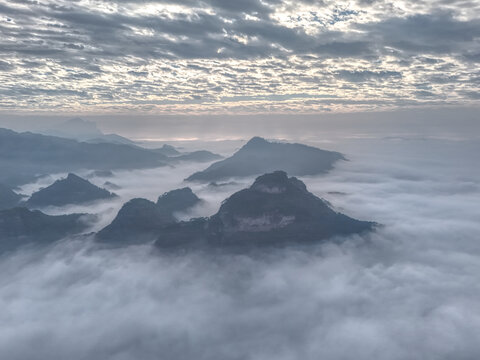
[
  {"x": 427, "y": 34},
  {"x": 116, "y": 43},
  {"x": 360, "y": 76}
]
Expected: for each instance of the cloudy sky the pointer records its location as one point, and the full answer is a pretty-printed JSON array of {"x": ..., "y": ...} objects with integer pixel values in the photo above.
[{"x": 237, "y": 57}]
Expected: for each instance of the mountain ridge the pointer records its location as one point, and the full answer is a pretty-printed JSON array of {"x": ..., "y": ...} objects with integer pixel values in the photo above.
[
  {"x": 141, "y": 220},
  {"x": 68, "y": 191},
  {"x": 259, "y": 156},
  {"x": 274, "y": 210}
]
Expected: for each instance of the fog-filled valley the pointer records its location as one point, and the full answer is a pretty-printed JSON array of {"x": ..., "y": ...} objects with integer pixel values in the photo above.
[{"x": 407, "y": 289}]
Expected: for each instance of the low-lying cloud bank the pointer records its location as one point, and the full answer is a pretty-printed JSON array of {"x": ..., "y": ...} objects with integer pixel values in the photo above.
[{"x": 410, "y": 290}]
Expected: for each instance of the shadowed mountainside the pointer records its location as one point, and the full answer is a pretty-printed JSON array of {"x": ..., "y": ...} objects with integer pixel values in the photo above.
[
  {"x": 26, "y": 156},
  {"x": 21, "y": 226},
  {"x": 275, "y": 210},
  {"x": 259, "y": 156},
  {"x": 70, "y": 190},
  {"x": 141, "y": 220},
  {"x": 8, "y": 198}
]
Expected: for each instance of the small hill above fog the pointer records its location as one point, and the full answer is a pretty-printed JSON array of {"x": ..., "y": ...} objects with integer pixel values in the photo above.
[
  {"x": 20, "y": 226},
  {"x": 197, "y": 156},
  {"x": 259, "y": 156},
  {"x": 8, "y": 198},
  {"x": 71, "y": 190},
  {"x": 275, "y": 210},
  {"x": 177, "y": 200},
  {"x": 141, "y": 220}
]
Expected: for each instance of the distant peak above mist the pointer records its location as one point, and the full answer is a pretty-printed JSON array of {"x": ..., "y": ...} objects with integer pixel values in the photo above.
[
  {"x": 71, "y": 190},
  {"x": 256, "y": 141},
  {"x": 258, "y": 156}
]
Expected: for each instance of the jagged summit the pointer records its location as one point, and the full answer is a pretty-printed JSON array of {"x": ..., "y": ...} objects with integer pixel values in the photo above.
[
  {"x": 258, "y": 156},
  {"x": 137, "y": 221},
  {"x": 275, "y": 210},
  {"x": 273, "y": 201},
  {"x": 71, "y": 177},
  {"x": 256, "y": 141},
  {"x": 277, "y": 182},
  {"x": 71, "y": 190}
]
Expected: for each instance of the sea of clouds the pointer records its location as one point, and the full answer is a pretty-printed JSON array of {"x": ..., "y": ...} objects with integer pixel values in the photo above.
[{"x": 408, "y": 291}]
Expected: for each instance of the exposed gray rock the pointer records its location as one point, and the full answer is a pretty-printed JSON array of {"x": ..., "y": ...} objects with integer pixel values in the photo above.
[{"x": 275, "y": 210}]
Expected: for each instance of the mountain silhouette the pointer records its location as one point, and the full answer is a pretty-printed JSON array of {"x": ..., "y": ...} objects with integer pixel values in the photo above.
[
  {"x": 275, "y": 210},
  {"x": 259, "y": 156},
  {"x": 26, "y": 156},
  {"x": 141, "y": 220},
  {"x": 70, "y": 190},
  {"x": 20, "y": 226}
]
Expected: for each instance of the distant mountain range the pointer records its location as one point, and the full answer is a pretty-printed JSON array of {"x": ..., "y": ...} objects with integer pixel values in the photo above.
[
  {"x": 259, "y": 156},
  {"x": 70, "y": 190},
  {"x": 196, "y": 156},
  {"x": 84, "y": 130},
  {"x": 26, "y": 156},
  {"x": 140, "y": 220},
  {"x": 275, "y": 210}
]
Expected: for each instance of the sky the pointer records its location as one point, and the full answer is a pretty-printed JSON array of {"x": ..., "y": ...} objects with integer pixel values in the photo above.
[{"x": 249, "y": 57}]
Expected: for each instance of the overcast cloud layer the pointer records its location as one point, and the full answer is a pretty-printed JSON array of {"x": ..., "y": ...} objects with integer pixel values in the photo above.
[
  {"x": 409, "y": 291},
  {"x": 248, "y": 56}
]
